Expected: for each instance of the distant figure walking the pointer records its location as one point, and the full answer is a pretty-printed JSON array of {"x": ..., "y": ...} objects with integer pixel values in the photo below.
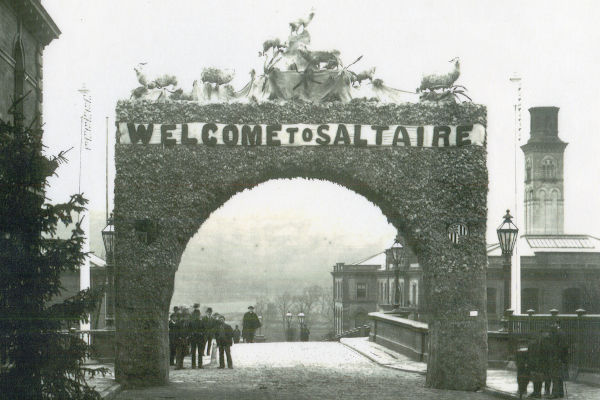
[
  {"x": 236, "y": 335},
  {"x": 304, "y": 333},
  {"x": 224, "y": 337},
  {"x": 249, "y": 325}
]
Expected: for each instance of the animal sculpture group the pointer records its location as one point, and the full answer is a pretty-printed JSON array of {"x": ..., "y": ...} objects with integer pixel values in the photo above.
[{"x": 314, "y": 66}]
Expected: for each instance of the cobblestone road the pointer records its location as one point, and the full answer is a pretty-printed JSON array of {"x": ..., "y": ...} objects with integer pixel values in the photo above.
[{"x": 313, "y": 370}]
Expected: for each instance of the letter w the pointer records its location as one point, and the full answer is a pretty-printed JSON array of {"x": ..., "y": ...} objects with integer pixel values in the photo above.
[{"x": 142, "y": 133}]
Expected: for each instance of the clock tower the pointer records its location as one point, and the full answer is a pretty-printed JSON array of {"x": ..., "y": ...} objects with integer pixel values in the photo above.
[{"x": 544, "y": 160}]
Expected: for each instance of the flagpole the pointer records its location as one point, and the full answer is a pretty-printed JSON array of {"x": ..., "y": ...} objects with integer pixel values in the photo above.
[
  {"x": 516, "y": 264},
  {"x": 106, "y": 162}
]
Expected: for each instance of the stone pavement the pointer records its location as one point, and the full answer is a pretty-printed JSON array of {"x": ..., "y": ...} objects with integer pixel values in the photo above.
[
  {"x": 502, "y": 383},
  {"x": 298, "y": 370}
]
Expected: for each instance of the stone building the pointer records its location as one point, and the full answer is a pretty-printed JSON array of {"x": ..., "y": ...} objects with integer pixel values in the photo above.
[
  {"x": 368, "y": 286},
  {"x": 25, "y": 30},
  {"x": 558, "y": 271}
]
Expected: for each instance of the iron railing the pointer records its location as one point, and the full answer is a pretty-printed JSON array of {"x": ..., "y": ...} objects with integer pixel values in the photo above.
[{"x": 582, "y": 333}]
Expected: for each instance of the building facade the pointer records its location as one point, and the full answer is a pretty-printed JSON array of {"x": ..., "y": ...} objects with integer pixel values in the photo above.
[
  {"x": 558, "y": 271},
  {"x": 370, "y": 285},
  {"x": 25, "y": 30}
]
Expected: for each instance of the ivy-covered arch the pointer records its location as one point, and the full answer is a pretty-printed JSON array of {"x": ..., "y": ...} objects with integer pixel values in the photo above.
[{"x": 171, "y": 189}]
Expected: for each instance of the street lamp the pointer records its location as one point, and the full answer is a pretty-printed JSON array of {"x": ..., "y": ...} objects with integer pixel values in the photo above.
[
  {"x": 507, "y": 236},
  {"x": 288, "y": 332},
  {"x": 303, "y": 331},
  {"x": 108, "y": 237},
  {"x": 397, "y": 252}
]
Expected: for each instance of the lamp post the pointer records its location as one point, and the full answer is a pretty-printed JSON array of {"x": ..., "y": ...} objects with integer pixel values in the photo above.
[
  {"x": 108, "y": 236},
  {"x": 507, "y": 236},
  {"x": 397, "y": 252},
  {"x": 288, "y": 331},
  {"x": 303, "y": 328},
  {"x": 301, "y": 318}
]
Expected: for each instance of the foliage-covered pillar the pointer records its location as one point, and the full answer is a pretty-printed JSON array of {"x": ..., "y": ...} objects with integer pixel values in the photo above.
[
  {"x": 143, "y": 289},
  {"x": 454, "y": 274}
]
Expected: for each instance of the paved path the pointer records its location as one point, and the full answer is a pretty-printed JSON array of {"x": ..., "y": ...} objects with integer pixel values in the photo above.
[
  {"x": 502, "y": 383},
  {"x": 312, "y": 370}
]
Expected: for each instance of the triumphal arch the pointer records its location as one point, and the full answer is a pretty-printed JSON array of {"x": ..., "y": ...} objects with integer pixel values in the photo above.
[{"x": 180, "y": 156}]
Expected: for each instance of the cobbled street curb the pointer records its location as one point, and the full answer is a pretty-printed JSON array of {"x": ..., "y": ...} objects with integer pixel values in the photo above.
[
  {"x": 365, "y": 354},
  {"x": 494, "y": 392}
]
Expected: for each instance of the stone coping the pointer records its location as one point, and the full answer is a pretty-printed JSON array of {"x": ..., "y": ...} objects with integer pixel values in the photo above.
[{"x": 417, "y": 325}]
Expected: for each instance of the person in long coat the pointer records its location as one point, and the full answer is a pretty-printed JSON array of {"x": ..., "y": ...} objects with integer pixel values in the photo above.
[
  {"x": 538, "y": 363},
  {"x": 197, "y": 338},
  {"x": 557, "y": 360},
  {"x": 250, "y": 324},
  {"x": 172, "y": 318},
  {"x": 224, "y": 338},
  {"x": 182, "y": 331},
  {"x": 210, "y": 327}
]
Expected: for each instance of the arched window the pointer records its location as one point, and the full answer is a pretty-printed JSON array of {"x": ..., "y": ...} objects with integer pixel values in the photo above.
[
  {"x": 528, "y": 170},
  {"x": 19, "y": 89},
  {"x": 549, "y": 168},
  {"x": 572, "y": 300}
]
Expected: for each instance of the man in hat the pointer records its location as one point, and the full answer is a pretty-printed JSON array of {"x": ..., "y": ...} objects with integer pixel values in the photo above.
[
  {"x": 196, "y": 337},
  {"x": 172, "y": 320},
  {"x": 224, "y": 335},
  {"x": 210, "y": 326},
  {"x": 250, "y": 324},
  {"x": 558, "y": 350},
  {"x": 182, "y": 330}
]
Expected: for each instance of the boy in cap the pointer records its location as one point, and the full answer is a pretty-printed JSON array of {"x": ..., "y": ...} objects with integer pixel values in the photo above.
[{"x": 224, "y": 342}]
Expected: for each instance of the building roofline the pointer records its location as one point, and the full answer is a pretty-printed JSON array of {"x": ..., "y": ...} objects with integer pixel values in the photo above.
[{"x": 37, "y": 20}]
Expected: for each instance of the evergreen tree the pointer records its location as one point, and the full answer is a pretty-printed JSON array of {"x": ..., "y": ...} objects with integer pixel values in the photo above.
[{"x": 40, "y": 359}]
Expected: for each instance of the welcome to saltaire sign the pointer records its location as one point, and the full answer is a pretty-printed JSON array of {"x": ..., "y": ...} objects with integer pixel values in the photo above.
[{"x": 211, "y": 134}]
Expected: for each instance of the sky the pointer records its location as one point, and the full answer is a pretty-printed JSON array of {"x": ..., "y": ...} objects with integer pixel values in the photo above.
[{"x": 551, "y": 45}]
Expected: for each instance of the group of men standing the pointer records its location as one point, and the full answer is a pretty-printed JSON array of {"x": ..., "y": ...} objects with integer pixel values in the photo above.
[
  {"x": 194, "y": 333},
  {"x": 544, "y": 362}
]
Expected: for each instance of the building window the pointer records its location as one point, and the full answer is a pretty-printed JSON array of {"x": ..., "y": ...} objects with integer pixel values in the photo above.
[
  {"x": 491, "y": 301},
  {"x": 528, "y": 171},
  {"x": 361, "y": 290},
  {"x": 549, "y": 168},
  {"x": 19, "y": 89},
  {"x": 530, "y": 300},
  {"x": 571, "y": 300},
  {"x": 413, "y": 295}
]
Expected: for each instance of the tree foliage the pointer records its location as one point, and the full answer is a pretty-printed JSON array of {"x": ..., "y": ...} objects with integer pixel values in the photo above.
[{"x": 41, "y": 359}]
